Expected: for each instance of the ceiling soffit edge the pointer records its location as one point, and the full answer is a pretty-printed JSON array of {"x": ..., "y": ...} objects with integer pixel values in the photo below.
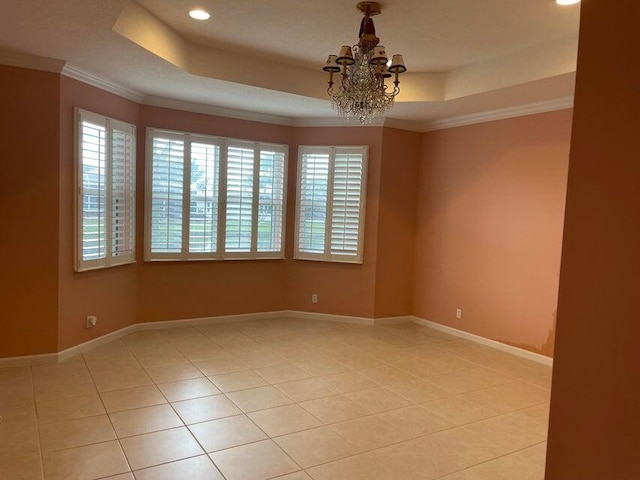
[
  {"x": 144, "y": 29},
  {"x": 538, "y": 62}
]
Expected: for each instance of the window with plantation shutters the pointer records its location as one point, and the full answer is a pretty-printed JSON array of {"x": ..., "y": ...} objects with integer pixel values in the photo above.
[
  {"x": 211, "y": 198},
  {"x": 105, "y": 186},
  {"x": 330, "y": 203}
]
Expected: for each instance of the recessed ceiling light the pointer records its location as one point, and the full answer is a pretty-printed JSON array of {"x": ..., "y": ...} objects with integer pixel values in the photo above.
[
  {"x": 199, "y": 14},
  {"x": 567, "y": 2}
]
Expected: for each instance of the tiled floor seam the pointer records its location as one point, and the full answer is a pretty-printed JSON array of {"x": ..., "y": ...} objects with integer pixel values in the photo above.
[
  {"x": 491, "y": 460},
  {"x": 109, "y": 417},
  {"x": 35, "y": 407}
]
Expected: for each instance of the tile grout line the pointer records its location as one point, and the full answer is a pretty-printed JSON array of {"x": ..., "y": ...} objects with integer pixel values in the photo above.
[
  {"x": 35, "y": 407},
  {"x": 493, "y": 459},
  {"x": 108, "y": 416}
]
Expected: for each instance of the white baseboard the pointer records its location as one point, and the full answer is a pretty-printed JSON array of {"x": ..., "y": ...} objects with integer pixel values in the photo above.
[
  {"x": 27, "y": 360},
  {"x": 520, "y": 352},
  {"x": 194, "y": 322},
  {"x": 328, "y": 317},
  {"x": 393, "y": 320},
  {"x": 191, "y": 322},
  {"x": 70, "y": 352},
  {"x": 83, "y": 347}
]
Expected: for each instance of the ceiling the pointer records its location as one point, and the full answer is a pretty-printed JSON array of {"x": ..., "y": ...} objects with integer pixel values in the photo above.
[{"x": 265, "y": 57}]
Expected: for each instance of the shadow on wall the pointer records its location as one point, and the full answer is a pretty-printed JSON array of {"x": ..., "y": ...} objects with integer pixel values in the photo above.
[{"x": 547, "y": 347}]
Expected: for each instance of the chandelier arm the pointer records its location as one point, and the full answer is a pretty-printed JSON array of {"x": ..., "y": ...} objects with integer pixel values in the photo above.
[{"x": 345, "y": 82}]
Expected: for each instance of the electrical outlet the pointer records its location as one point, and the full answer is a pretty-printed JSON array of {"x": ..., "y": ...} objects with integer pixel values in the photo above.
[
  {"x": 314, "y": 298},
  {"x": 91, "y": 321},
  {"x": 458, "y": 313}
]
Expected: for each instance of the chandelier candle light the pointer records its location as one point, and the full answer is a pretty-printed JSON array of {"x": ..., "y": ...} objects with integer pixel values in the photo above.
[{"x": 362, "y": 93}]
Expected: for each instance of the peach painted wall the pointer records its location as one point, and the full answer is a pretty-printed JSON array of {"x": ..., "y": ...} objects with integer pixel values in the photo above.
[
  {"x": 489, "y": 228},
  {"x": 28, "y": 211},
  {"x": 181, "y": 290},
  {"x": 594, "y": 431},
  {"x": 396, "y": 222},
  {"x": 110, "y": 294},
  {"x": 523, "y": 161},
  {"x": 342, "y": 289}
]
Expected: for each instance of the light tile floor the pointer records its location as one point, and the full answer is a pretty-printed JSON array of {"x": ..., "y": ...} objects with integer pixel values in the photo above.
[{"x": 287, "y": 398}]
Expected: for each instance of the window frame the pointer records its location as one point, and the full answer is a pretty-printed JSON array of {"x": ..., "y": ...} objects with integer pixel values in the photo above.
[
  {"x": 223, "y": 144},
  {"x": 110, "y": 125},
  {"x": 328, "y": 255}
]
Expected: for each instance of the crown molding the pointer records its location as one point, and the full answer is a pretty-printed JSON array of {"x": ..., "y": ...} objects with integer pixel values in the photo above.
[
  {"x": 500, "y": 114},
  {"x": 343, "y": 122},
  {"x": 34, "y": 62},
  {"x": 410, "y": 125},
  {"x": 81, "y": 75},
  {"x": 217, "y": 111},
  {"x": 334, "y": 122}
]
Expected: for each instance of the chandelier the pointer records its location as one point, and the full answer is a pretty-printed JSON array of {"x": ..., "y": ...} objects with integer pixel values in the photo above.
[{"x": 362, "y": 93}]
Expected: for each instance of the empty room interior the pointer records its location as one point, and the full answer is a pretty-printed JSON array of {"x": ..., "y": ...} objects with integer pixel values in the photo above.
[{"x": 320, "y": 240}]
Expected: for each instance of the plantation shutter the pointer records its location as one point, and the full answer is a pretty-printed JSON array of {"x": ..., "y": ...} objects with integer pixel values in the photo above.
[
  {"x": 167, "y": 183},
  {"x": 312, "y": 201},
  {"x": 240, "y": 178},
  {"x": 346, "y": 206},
  {"x": 93, "y": 218},
  {"x": 271, "y": 200},
  {"x": 122, "y": 193},
  {"x": 204, "y": 198}
]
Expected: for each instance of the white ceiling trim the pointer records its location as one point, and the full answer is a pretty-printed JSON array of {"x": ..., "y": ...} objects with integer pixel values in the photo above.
[
  {"x": 76, "y": 73},
  {"x": 412, "y": 126},
  {"x": 34, "y": 62},
  {"x": 334, "y": 122},
  {"x": 500, "y": 114},
  {"x": 217, "y": 111}
]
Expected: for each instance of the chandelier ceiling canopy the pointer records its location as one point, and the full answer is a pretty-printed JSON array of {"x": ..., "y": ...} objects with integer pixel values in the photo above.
[{"x": 362, "y": 93}]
